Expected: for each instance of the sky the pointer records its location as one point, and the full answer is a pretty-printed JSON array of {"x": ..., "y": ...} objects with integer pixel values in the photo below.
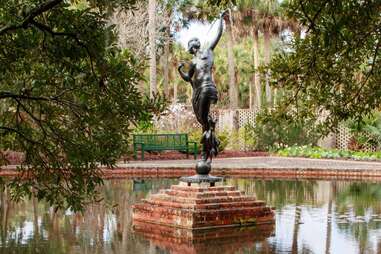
[{"x": 203, "y": 31}]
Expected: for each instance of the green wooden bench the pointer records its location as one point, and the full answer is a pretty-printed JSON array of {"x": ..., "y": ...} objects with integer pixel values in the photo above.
[{"x": 161, "y": 142}]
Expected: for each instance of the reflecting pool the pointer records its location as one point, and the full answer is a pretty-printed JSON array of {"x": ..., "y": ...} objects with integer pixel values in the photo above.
[{"x": 311, "y": 217}]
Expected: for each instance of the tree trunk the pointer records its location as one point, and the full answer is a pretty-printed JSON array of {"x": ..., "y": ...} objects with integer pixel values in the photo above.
[
  {"x": 189, "y": 95},
  {"x": 174, "y": 73},
  {"x": 256, "y": 76},
  {"x": 233, "y": 92},
  {"x": 267, "y": 49},
  {"x": 152, "y": 46},
  {"x": 166, "y": 69},
  {"x": 165, "y": 63},
  {"x": 175, "y": 92}
]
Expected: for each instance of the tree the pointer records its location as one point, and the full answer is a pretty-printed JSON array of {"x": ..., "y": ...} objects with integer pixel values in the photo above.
[
  {"x": 152, "y": 46},
  {"x": 68, "y": 94},
  {"x": 332, "y": 74},
  {"x": 271, "y": 24},
  {"x": 131, "y": 25},
  {"x": 248, "y": 25},
  {"x": 260, "y": 16},
  {"x": 256, "y": 76},
  {"x": 233, "y": 90},
  {"x": 165, "y": 56},
  {"x": 168, "y": 21}
]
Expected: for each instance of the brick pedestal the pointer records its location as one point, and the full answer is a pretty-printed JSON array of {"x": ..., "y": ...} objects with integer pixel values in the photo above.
[{"x": 202, "y": 207}]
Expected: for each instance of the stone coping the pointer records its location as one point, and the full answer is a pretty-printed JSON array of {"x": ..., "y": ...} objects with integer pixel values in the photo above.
[
  {"x": 267, "y": 162},
  {"x": 259, "y": 167}
]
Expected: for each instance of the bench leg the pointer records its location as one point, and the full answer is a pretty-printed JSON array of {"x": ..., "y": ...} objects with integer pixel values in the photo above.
[{"x": 135, "y": 153}]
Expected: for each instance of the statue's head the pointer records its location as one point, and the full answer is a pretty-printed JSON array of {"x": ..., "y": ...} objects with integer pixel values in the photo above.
[{"x": 194, "y": 45}]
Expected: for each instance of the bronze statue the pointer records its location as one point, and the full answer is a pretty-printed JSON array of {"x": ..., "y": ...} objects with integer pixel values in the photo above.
[{"x": 204, "y": 94}]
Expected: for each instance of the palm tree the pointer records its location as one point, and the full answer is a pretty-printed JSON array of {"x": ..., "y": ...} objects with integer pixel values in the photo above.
[
  {"x": 167, "y": 9},
  {"x": 165, "y": 56},
  {"x": 177, "y": 55},
  {"x": 272, "y": 24},
  {"x": 247, "y": 25},
  {"x": 250, "y": 15},
  {"x": 261, "y": 16},
  {"x": 233, "y": 90},
  {"x": 152, "y": 46},
  {"x": 256, "y": 76}
]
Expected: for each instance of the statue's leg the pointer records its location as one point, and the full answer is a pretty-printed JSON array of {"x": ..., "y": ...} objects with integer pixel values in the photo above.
[
  {"x": 203, "y": 112},
  {"x": 212, "y": 141},
  {"x": 203, "y": 116},
  {"x": 196, "y": 103}
]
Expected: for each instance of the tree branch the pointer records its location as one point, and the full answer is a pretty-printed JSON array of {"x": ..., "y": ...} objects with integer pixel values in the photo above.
[
  {"x": 44, "y": 28},
  {"x": 32, "y": 14},
  {"x": 74, "y": 36},
  {"x": 8, "y": 129},
  {"x": 312, "y": 21},
  {"x": 370, "y": 72},
  {"x": 4, "y": 95}
]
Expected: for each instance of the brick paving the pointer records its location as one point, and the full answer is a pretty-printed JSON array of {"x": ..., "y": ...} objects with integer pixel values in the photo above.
[{"x": 270, "y": 162}]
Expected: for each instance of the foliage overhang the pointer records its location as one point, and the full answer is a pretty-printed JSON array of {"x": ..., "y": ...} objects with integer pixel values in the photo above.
[
  {"x": 68, "y": 96},
  {"x": 333, "y": 73}
]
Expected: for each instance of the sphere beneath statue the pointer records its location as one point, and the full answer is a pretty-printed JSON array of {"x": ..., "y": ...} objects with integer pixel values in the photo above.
[{"x": 203, "y": 167}]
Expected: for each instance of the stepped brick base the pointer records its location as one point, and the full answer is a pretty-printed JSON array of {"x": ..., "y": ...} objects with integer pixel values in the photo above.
[
  {"x": 221, "y": 240},
  {"x": 200, "y": 207}
]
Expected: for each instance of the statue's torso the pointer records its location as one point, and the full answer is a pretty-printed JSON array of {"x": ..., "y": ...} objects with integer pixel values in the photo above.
[{"x": 203, "y": 64}]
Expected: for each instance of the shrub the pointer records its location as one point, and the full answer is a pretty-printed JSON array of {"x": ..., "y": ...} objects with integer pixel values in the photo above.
[
  {"x": 274, "y": 133},
  {"x": 223, "y": 137},
  {"x": 242, "y": 136},
  {"x": 195, "y": 135},
  {"x": 317, "y": 153},
  {"x": 366, "y": 132}
]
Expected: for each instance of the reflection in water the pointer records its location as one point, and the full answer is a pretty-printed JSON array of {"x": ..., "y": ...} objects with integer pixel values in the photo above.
[
  {"x": 311, "y": 217},
  {"x": 215, "y": 241}
]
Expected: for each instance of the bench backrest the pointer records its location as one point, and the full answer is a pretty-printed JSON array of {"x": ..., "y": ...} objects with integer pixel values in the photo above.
[{"x": 162, "y": 140}]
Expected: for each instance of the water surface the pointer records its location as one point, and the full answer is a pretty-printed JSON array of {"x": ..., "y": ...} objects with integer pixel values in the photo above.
[{"x": 311, "y": 217}]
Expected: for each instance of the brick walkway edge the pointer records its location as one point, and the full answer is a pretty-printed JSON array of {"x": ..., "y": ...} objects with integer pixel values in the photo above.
[
  {"x": 259, "y": 167},
  {"x": 249, "y": 172}
]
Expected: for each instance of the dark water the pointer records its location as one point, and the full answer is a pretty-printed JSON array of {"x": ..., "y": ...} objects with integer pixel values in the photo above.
[{"x": 311, "y": 217}]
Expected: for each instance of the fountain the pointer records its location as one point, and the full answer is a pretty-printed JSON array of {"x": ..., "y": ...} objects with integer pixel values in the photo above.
[{"x": 202, "y": 201}]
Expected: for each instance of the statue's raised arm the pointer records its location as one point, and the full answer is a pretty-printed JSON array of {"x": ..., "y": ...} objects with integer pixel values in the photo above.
[{"x": 215, "y": 41}]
